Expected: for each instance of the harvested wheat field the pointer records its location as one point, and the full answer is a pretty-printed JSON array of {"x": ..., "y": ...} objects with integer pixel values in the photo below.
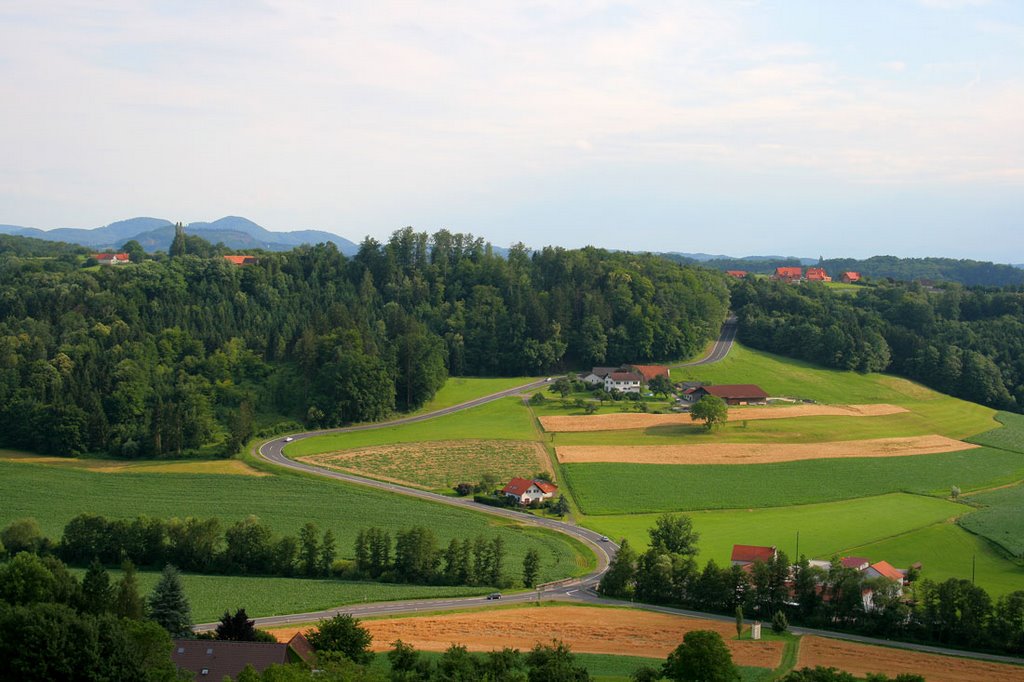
[
  {"x": 861, "y": 659},
  {"x": 113, "y": 466},
  {"x": 588, "y": 630},
  {"x": 619, "y": 422},
  {"x": 438, "y": 464},
  {"x": 758, "y": 453}
]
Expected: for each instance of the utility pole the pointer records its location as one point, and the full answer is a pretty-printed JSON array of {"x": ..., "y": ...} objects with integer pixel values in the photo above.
[
  {"x": 797, "y": 557},
  {"x": 974, "y": 562}
]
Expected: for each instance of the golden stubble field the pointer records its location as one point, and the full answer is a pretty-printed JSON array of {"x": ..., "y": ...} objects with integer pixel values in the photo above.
[
  {"x": 619, "y": 422},
  {"x": 758, "y": 453}
]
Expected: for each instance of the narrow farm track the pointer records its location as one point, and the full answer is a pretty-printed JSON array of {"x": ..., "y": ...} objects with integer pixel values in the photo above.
[{"x": 579, "y": 590}]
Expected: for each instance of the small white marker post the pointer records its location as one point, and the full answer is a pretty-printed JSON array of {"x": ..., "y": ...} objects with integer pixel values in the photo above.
[{"x": 755, "y": 630}]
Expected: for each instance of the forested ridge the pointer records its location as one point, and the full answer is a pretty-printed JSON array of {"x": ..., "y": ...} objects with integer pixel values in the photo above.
[
  {"x": 964, "y": 341},
  {"x": 187, "y": 353}
]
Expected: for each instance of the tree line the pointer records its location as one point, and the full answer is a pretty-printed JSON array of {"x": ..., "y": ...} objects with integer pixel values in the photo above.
[
  {"x": 953, "y": 612},
  {"x": 967, "y": 342},
  {"x": 188, "y": 353},
  {"x": 250, "y": 547}
]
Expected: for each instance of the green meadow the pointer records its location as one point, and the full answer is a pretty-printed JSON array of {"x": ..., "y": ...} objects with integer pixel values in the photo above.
[
  {"x": 211, "y": 595},
  {"x": 825, "y": 529},
  {"x": 636, "y": 488},
  {"x": 1001, "y": 518},
  {"x": 505, "y": 419},
  {"x": 946, "y": 550},
  {"x": 458, "y": 390},
  {"x": 1009, "y": 436},
  {"x": 285, "y": 502}
]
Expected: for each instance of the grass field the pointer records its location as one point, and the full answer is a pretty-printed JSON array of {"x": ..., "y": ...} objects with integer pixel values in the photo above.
[
  {"x": 442, "y": 464},
  {"x": 458, "y": 390},
  {"x": 211, "y": 595},
  {"x": 946, "y": 551},
  {"x": 505, "y": 419},
  {"x": 824, "y": 528},
  {"x": 637, "y": 488},
  {"x": 1001, "y": 519},
  {"x": 53, "y": 496}
]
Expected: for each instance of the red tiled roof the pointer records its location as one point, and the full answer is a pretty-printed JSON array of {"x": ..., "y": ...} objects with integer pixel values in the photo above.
[
  {"x": 887, "y": 570},
  {"x": 650, "y": 371},
  {"x": 111, "y": 256},
  {"x": 752, "y": 553},
  {"x": 545, "y": 487},
  {"x": 240, "y": 260},
  {"x": 816, "y": 273},
  {"x": 788, "y": 272},
  {"x": 302, "y": 648},
  {"x": 736, "y": 273},
  {"x": 736, "y": 391},
  {"x": 219, "y": 658},
  {"x": 851, "y": 276},
  {"x": 518, "y": 486},
  {"x": 626, "y": 376}
]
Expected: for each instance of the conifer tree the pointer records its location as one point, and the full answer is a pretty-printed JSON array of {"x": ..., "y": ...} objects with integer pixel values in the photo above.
[
  {"x": 127, "y": 601},
  {"x": 168, "y": 605},
  {"x": 96, "y": 590}
]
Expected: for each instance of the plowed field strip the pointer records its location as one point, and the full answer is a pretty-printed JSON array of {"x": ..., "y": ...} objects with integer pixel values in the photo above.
[
  {"x": 758, "y": 453},
  {"x": 586, "y": 630},
  {"x": 861, "y": 659},
  {"x": 618, "y": 422}
]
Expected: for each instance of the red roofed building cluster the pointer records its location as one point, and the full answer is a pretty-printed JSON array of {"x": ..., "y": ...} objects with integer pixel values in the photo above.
[
  {"x": 528, "y": 491},
  {"x": 241, "y": 260},
  {"x": 817, "y": 275},
  {"x": 795, "y": 274}
]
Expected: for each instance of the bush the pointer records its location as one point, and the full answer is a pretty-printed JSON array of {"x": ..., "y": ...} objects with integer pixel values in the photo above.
[{"x": 779, "y": 623}]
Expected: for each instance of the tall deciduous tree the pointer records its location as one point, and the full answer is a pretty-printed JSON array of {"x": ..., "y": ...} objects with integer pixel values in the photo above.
[
  {"x": 702, "y": 657},
  {"x": 712, "y": 410},
  {"x": 531, "y": 567}
]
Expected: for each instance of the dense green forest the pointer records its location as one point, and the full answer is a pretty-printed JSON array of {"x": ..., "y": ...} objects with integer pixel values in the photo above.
[
  {"x": 187, "y": 353},
  {"x": 962, "y": 271},
  {"x": 967, "y": 342}
]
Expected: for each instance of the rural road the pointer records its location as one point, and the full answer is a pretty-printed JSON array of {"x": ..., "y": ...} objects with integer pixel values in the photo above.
[{"x": 578, "y": 590}]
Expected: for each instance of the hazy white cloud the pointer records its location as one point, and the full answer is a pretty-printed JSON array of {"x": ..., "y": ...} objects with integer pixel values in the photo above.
[{"x": 363, "y": 115}]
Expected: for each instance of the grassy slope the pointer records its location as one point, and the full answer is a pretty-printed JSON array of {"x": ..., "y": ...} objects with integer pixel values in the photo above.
[
  {"x": 946, "y": 551},
  {"x": 211, "y": 595},
  {"x": 53, "y": 496},
  {"x": 1009, "y": 436},
  {"x": 506, "y": 419},
  {"x": 635, "y": 488},
  {"x": 1001, "y": 520},
  {"x": 458, "y": 390},
  {"x": 824, "y": 528}
]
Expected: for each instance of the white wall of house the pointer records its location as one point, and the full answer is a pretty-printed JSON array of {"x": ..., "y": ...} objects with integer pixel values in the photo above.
[{"x": 621, "y": 386}]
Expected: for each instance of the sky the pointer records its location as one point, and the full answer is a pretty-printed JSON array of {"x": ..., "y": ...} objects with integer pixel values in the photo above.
[{"x": 794, "y": 127}]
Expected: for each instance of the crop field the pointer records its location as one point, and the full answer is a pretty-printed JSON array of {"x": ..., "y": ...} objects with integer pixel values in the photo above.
[
  {"x": 505, "y": 419},
  {"x": 119, "y": 466},
  {"x": 53, "y": 496},
  {"x": 862, "y": 659},
  {"x": 946, "y": 551},
  {"x": 440, "y": 465},
  {"x": 1008, "y": 437},
  {"x": 825, "y": 529},
  {"x": 211, "y": 595},
  {"x": 637, "y": 488},
  {"x": 758, "y": 453},
  {"x": 586, "y": 629},
  {"x": 1001, "y": 519},
  {"x": 458, "y": 390}
]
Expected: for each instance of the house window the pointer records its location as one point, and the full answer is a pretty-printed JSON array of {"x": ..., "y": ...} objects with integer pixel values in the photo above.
[
  {"x": 181, "y": 649},
  {"x": 206, "y": 671},
  {"x": 209, "y": 651}
]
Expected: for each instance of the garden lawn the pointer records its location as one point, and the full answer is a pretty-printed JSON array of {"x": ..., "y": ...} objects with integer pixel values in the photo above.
[
  {"x": 945, "y": 550},
  {"x": 637, "y": 488},
  {"x": 458, "y": 390},
  {"x": 505, "y": 419},
  {"x": 53, "y": 496},
  {"x": 1001, "y": 519},
  {"x": 211, "y": 595},
  {"x": 824, "y": 528}
]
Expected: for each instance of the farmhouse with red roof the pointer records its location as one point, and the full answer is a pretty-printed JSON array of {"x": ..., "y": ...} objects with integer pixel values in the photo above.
[
  {"x": 738, "y": 274},
  {"x": 786, "y": 274},
  {"x": 112, "y": 258},
  {"x": 527, "y": 491},
  {"x": 850, "y": 277},
  {"x": 648, "y": 372},
  {"x": 817, "y": 275},
  {"x": 732, "y": 394}
]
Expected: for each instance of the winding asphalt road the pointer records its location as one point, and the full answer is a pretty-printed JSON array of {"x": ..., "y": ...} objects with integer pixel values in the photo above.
[{"x": 577, "y": 590}]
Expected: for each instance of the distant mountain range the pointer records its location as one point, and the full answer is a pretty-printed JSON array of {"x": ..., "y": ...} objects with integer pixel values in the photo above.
[
  {"x": 705, "y": 257},
  {"x": 155, "y": 234}
]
